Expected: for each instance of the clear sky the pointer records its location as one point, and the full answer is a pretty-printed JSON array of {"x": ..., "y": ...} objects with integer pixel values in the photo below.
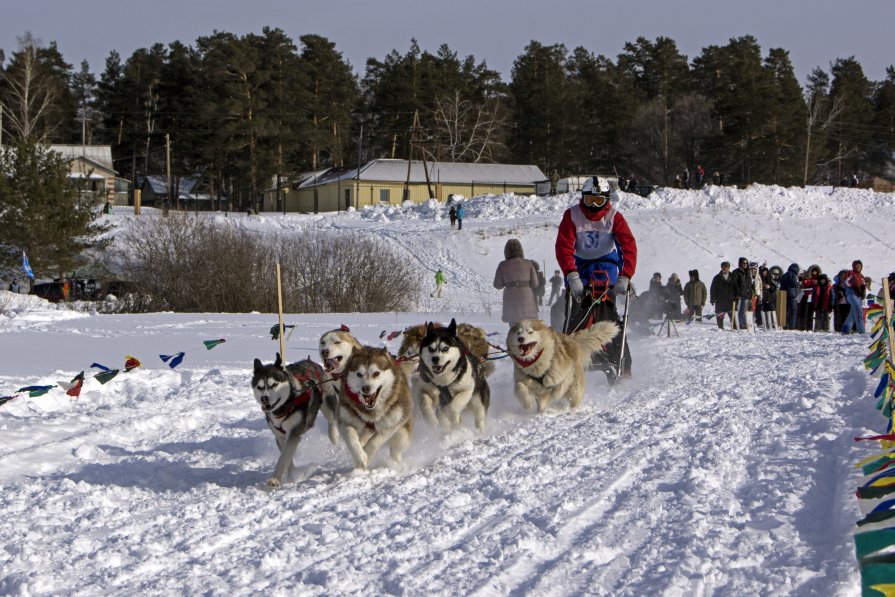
[{"x": 815, "y": 32}]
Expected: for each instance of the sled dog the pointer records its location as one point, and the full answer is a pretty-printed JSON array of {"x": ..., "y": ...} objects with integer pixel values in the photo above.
[
  {"x": 336, "y": 347},
  {"x": 452, "y": 379},
  {"x": 290, "y": 397},
  {"x": 409, "y": 351},
  {"x": 550, "y": 365},
  {"x": 375, "y": 406}
]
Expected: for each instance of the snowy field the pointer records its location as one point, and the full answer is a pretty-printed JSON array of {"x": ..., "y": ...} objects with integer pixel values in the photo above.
[{"x": 723, "y": 468}]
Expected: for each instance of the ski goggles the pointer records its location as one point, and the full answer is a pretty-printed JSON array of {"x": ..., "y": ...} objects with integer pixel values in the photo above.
[{"x": 594, "y": 200}]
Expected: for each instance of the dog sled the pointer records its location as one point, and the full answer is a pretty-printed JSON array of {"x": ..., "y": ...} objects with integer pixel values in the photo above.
[{"x": 598, "y": 304}]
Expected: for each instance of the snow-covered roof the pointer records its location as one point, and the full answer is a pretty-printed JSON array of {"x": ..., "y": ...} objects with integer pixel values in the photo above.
[
  {"x": 100, "y": 154},
  {"x": 159, "y": 184},
  {"x": 387, "y": 170}
]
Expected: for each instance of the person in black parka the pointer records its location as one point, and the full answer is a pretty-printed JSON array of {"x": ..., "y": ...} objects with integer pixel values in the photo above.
[
  {"x": 722, "y": 293},
  {"x": 791, "y": 285}
]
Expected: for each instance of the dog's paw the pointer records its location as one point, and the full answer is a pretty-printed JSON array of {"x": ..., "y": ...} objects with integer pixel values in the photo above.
[
  {"x": 274, "y": 483},
  {"x": 334, "y": 435}
]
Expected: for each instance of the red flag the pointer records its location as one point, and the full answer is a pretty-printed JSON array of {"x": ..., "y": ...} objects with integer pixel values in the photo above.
[
  {"x": 344, "y": 328},
  {"x": 131, "y": 363},
  {"x": 74, "y": 389}
]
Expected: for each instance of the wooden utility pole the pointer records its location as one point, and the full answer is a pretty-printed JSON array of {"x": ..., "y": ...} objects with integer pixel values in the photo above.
[
  {"x": 414, "y": 130},
  {"x": 168, "y": 162}
]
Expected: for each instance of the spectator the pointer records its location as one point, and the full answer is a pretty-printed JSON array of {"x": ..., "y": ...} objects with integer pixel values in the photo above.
[
  {"x": 541, "y": 288},
  {"x": 853, "y": 181},
  {"x": 657, "y": 297},
  {"x": 554, "y": 178},
  {"x": 695, "y": 295},
  {"x": 755, "y": 278},
  {"x": 555, "y": 286},
  {"x": 700, "y": 175},
  {"x": 770, "y": 283},
  {"x": 743, "y": 291},
  {"x": 716, "y": 178},
  {"x": 558, "y": 311},
  {"x": 452, "y": 213},
  {"x": 107, "y": 208},
  {"x": 459, "y": 216},
  {"x": 518, "y": 279},
  {"x": 805, "y": 315},
  {"x": 673, "y": 294},
  {"x": 823, "y": 303},
  {"x": 840, "y": 303},
  {"x": 722, "y": 294},
  {"x": 439, "y": 283},
  {"x": 677, "y": 181},
  {"x": 790, "y": 284},
  {"x": 855, "y": 291},
  {"x": 633, "y": 184},
  {"x": 622, "y": 183},
  {"x": 14, "y": 286},
  {"x": 685, "y": 178}
]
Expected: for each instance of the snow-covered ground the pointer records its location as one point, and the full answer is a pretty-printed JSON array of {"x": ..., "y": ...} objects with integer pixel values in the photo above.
[{"x": 723, "y": 468}]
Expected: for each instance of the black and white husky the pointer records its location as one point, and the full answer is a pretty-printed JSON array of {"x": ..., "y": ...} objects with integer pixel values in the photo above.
[
  {"x": 452, "y": 379},
  {"x": 290, "y": 397}
]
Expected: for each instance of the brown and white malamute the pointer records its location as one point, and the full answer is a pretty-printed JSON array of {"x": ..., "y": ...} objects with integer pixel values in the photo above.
[
  {"x": 550, "y": 365},
  {"x": 335, "y": 348},
  {"x": 290, "y": 397},
  {"x": 375, "y": 406}
]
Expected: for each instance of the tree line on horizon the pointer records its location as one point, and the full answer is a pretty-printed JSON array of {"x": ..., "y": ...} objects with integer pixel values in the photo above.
[{"x": 245, "y": 110}]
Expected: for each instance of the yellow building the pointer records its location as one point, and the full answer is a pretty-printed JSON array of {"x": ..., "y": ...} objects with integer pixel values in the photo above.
[{"x": 384, "y": 181}]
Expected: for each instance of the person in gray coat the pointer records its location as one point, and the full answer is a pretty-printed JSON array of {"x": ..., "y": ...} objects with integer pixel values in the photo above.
[{"x": 517, "y": 277}]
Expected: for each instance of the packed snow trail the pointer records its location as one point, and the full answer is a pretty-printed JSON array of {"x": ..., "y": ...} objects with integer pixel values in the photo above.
[{"x": 709, "y": 473}]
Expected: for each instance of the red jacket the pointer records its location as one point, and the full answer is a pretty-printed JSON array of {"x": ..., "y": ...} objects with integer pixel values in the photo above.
[
  {"x": 565, "y": 241},
  {"x": 822, "y": 297}
]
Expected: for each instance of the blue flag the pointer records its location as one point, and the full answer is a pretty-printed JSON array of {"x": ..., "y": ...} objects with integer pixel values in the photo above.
[{"x": 26, "y": 267}]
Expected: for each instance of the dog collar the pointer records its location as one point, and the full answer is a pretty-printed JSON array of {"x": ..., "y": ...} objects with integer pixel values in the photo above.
[{"x": 528, "y": 362}]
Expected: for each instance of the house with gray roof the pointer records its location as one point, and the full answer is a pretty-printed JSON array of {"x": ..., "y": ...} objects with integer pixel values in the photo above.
[{"x": 395, "y": 181}]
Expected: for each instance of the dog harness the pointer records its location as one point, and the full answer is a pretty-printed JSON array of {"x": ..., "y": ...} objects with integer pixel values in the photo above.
[
  {"x": 523, "y": 363},
  {"x": 295, "y": 402}
]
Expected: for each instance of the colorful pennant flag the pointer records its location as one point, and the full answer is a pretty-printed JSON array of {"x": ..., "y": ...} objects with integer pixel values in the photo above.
[
  {"x": 131, "y": 363},
  {"x": 209, "y": 344},
  {"x": 26, "y": 267},
  {"x": 172, "y": 359},
  {"x": 73, "y": 388},
  {"x": 35, "y": 391},
  {"x": 106, "y": 376},
  {"x": 275, "y": 331},
  {"x": 5, "y": 399}
]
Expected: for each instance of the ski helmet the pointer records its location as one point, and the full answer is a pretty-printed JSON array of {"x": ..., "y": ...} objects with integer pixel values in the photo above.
[{"x": 595, "y": 185}]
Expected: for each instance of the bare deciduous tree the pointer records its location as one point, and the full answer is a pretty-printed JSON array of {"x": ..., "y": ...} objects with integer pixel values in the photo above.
[
  {"x": 465, "y": 131},
  {"x": 30, "y": 94},
  {"x": 819, "y": 119}
]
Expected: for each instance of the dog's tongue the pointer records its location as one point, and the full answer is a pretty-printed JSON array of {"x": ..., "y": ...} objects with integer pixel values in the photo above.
[
  {"x": 526, "y": 348},
  {"x": 330, "y": 364},
  {"x": 370, "y": 399}
]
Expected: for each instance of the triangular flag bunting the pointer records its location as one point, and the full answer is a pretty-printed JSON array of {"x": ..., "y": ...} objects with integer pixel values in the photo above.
[
  {"x": 131, "y": 363},
  {"x": 394, "y": 335},
  {"x": 209, "y": 344},
  {"x": 106, "y": 376},
  {"x": 5, "y": 399},
  {"x": 34, "y": 391},
  {"x": 99, "y": 366},
  {"x": 74, "y": 388},
  {"x": 172, "y": 359}
]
